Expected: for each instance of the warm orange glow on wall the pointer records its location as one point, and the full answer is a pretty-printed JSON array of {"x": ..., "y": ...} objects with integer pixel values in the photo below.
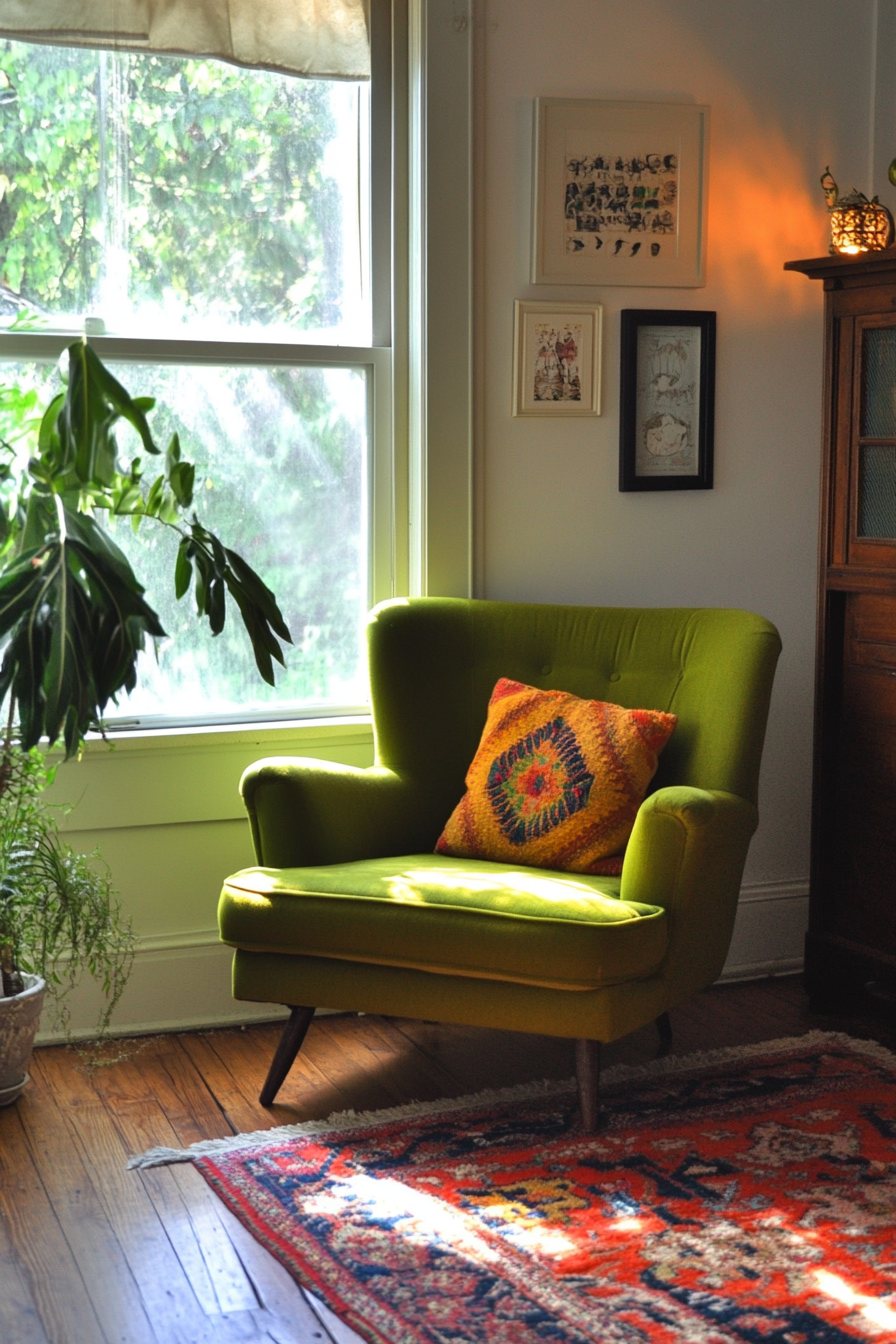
[{"x": 748, "y": 245}]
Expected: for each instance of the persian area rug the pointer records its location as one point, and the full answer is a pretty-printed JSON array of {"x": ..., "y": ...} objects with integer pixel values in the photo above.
[{"x": 742, "y": 1196}]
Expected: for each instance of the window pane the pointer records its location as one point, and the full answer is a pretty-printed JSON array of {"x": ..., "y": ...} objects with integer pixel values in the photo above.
[
  {"x": 877, "y": 491},
  {"x": 281, "y": 459},
  {"x": 879, "y": 379},
  {"x": 164, "y": 194}
]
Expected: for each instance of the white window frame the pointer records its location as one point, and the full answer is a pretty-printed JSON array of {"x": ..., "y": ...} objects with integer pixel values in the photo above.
[
  {"x": 419, "y": 364},
  {"x": 164, "y": 807},
  {"x": 420, "y": 361},
  {"x": 440, "y": 317}
]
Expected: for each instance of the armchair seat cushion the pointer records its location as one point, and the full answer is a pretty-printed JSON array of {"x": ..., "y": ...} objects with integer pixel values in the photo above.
[{"x": 449, "y": 916}]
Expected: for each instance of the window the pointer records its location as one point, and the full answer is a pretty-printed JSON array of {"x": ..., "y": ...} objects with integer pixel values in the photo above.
[{"x": 211, "y": 226}]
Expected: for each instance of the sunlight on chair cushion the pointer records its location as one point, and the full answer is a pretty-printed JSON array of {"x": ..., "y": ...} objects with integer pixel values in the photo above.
[
  {"x": 452, "y": 917},
  {"x": 556, "y": 781}
]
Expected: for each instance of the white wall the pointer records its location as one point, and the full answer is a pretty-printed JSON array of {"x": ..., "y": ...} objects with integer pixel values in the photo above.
[{"x": 790, "y": 88}]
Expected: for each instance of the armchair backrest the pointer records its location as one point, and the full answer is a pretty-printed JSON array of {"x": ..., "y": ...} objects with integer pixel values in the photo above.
[{"x": 435, "y": 661}]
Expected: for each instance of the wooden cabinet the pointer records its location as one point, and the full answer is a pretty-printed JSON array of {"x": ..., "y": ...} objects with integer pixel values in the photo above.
[{"x": 852, "y": 903}]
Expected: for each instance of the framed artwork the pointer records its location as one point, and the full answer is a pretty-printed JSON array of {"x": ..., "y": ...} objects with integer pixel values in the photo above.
[
  {"x": 620, "y": 193},
  {"x": 667, "y": 399},
  {"x": 557, "y": 364}
]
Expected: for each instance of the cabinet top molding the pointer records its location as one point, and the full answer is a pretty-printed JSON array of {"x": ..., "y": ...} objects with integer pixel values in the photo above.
[{"x": 837, "y": 267}]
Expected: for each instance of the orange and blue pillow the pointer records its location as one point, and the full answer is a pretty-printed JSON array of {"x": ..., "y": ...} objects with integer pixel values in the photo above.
[{"x": 556, "y": 781}]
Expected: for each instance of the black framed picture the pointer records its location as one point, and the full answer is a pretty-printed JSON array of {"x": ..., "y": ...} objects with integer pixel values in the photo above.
[{"x": 667, "y": 400}]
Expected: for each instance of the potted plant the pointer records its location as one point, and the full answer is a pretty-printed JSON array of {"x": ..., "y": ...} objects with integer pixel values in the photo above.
[
  {"x": 58, "y": 916},
  {"x": 73, "y": 619}
]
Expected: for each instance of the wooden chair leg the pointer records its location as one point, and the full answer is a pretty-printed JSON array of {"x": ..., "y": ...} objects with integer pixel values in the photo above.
[
  {"x": 289, "y": 1046},
  {"x": 664, "y": 1027},
  {"x": 588, "y": 1075}
]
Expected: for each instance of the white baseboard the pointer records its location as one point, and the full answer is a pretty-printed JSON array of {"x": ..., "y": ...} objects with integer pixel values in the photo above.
[
  {"x": 181, "y": 982},
  {"x": 769, "y": 930}
]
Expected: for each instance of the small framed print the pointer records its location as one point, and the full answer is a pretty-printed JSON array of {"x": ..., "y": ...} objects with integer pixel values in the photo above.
[
  {"x": 620, "y": 193},
  {"x": 667, "y": 399},
  {"x": 557, "y": 364}
]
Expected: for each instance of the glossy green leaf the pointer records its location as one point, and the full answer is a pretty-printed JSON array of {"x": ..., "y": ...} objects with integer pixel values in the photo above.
[
  {"x": 183, "y": 570},
  {"x": 73, "y": 613}
]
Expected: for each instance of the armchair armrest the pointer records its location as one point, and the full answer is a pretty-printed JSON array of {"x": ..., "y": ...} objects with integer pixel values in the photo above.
[
  {"x": 304, "y": 811},
  {"x": 687, "y": 853}
]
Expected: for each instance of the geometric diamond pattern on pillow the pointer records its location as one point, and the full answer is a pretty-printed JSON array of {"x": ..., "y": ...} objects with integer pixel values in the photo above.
[
  {"x": 556, "y": 781},
  {"x": 538, "y": 782}
]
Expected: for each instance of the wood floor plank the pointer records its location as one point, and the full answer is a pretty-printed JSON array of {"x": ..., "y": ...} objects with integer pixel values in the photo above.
[
  {"x": 141, "y": 1098},
  {"x": 191, "y": 1224},
  {"x": 346, "y": 1059},
  {"x": 233, "y": 1273},
  {"x": 107, "y": 1275},
  {"x": 715, "y": 1022},
  {"x": 286, "y": 1313},
  {"x": 163, "y": 1076},
  {"x": 36, "y": 1237},
  {"x": 480, "y": 1058},
  {"x": 164, "y": 1190},
  {"x": 235, "y": 1068},
  {"x": 233, "y": 1288},
  {"x": 19, "y": 1317},
  {"x": 339, "y": 1332},
  {"x": 153, "y": 1255},
  {"x": 426, "y": 1077},
  {"x": 307, "y": 1093},
  {"x": 165, "y": 1289},
  {"x": 241, "y": 1109},
  {"x": 401, "y": 1066}
]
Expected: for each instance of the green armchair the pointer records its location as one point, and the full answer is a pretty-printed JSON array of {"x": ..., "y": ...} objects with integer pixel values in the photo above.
[{"x": 350, "y": 908}]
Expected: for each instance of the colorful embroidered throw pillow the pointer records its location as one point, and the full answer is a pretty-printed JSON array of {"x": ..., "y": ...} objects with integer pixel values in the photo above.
[{"x": 556, "y": 781}]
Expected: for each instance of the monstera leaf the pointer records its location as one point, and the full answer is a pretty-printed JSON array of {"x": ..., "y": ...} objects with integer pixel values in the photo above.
[{"x": 73, "y": 615}]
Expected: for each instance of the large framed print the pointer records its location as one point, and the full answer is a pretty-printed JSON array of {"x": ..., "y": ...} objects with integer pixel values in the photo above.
[
  {"x": 620, "y": 193},
  {"x": 557, "y": 358},
  {"x": 667, "y": 399}
]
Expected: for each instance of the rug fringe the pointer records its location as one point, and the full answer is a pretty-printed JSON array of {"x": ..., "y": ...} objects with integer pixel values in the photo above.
[
  {"x": 341, "y": 1121},
  {"x": 619, "y": 1074},
  {"x": 703, "y": 1059}
]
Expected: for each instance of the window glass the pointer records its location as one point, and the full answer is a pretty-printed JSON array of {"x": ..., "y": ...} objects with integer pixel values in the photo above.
[
  {"x": 189, "y": 201},
  {"x": 282, "y": 474},
  {"x": 165, "y": 195}
]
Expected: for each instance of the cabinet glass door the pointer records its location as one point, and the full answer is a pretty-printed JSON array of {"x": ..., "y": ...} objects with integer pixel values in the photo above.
[{"x": 876, "y": 513}]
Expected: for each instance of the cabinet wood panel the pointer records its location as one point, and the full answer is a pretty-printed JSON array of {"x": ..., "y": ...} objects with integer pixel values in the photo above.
[{"x": 852, "y": 921}]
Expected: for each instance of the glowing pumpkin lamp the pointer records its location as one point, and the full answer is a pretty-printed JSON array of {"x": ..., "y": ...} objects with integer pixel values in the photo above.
[{"x": 857, "y": 224}]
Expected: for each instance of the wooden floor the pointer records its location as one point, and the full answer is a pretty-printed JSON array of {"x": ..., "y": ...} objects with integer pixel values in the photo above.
[{"x": 91, "y": 1253}]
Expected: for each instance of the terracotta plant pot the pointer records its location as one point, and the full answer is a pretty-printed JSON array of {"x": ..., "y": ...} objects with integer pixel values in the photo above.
[{"x": 19, "y": 1018}]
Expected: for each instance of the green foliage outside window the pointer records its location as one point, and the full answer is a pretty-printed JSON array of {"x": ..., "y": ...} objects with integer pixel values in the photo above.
[
  {"x": 218, "y": 176},
  {"x": 198, "y": 196}
]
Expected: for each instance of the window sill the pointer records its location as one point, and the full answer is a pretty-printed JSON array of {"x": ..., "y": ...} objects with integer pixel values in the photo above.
[
  {"x": 175, "y": 776},
  {"x": 203, "y": 736}
]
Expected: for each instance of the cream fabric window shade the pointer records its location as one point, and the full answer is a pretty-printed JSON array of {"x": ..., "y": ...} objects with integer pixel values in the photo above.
[{"x": 324, "y": 39}]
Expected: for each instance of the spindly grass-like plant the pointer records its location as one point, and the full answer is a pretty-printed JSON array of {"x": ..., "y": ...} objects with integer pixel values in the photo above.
[{"x": 59, "y": 915}]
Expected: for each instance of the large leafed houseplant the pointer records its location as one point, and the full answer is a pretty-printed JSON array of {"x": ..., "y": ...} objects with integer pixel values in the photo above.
[{"x": 73, "y": 619}]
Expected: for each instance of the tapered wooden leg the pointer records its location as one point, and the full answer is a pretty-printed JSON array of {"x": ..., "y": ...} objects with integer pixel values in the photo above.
[
  {"x": 289, "y": 1046},
  {"x": 664, "y": 1027},
  {"x": 588, "y": 1075}
]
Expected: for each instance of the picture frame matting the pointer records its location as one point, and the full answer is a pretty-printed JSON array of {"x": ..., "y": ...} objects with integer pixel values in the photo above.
[
  {"x": 667, "y": 399},
  {"x": 619, "y": 192},
  {"x": 557, "y": 359}
]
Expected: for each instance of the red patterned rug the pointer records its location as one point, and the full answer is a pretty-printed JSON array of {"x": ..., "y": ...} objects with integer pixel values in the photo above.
[{"x": 743, "y": 1197}]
